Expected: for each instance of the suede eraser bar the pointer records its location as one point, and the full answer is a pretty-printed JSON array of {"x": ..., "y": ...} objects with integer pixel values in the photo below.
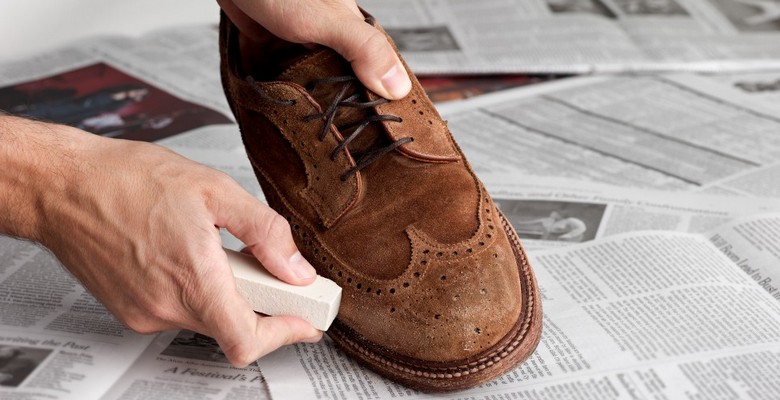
[{"x": 318, "y": 303}]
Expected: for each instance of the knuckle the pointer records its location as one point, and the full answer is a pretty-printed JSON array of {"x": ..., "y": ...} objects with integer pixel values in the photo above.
[
  {"x": 276, "y": 229},
  {"x": 374, "y": 46},
  {"x": 240, "y": 355},
  {"x": 140, "y": 324},
  {"x": 214, "y": 186},
  {"x": 158, "y": 312}
]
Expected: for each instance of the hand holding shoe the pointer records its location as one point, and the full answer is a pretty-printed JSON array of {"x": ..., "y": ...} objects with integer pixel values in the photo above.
[{"x": 337, "y": 24}]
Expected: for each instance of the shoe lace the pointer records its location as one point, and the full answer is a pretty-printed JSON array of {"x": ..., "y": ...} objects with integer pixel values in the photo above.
[{"x": 351, "y": 131}]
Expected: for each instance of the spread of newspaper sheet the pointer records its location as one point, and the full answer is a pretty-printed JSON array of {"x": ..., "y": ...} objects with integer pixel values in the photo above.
[
  {"x": 671, "y": 132},
  {"x": 641, "y": 315},
  {"x": 762, "y": 86},
  {"x": 648, "y": 294},
  {"x": 582, "y": 36}
]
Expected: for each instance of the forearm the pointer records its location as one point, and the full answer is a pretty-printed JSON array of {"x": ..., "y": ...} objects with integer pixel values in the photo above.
[{"x": 34, "y": 170}]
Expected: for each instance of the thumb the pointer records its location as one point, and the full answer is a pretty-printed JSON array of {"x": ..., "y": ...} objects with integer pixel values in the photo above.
[
  {"x": 266, "y": 234},
  {"x": 337, "y": 24},
  {"x": 373, "y": 58}
]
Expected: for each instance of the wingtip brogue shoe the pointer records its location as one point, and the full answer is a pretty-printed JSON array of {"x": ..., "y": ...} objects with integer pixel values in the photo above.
[{"x": 437, "y": 290}]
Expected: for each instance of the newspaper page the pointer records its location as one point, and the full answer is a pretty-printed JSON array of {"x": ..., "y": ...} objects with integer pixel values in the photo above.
[
  {"x": 753, "y": 244},
  {"x": 638, "y": 315},
  {"x": 184, "y": 365},
  {"x": 549, "y": 212},
  {"x": 56, "y": 340},
  {"x": 582, "y": 36},
  {"x": 151, "y": 88},
  {"x": 762, "y": 86},
  {"x": 671, "y": 132}
]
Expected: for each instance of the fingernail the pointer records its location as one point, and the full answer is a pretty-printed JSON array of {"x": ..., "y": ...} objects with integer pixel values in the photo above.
[
  {"x": 300, "y": 267},
  {"x": 396, "y": 82}
]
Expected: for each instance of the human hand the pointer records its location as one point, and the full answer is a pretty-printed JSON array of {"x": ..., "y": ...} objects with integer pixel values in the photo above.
[
  {"x": 337, "y": 24},
  {"x": 136, "y": 224}
]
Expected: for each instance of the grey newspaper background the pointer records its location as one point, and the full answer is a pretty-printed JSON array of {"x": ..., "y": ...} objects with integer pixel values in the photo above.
[{"x": 685, "y": 163}]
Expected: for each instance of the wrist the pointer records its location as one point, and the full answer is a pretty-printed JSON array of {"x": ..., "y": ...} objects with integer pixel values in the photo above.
[{"x": 38, "y": 161}]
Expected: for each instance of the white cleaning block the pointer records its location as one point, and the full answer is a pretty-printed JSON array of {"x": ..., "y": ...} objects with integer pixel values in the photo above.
[{"x": 317, "y": 303}]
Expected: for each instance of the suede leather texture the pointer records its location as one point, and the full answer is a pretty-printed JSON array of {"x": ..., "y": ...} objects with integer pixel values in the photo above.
[{"x": 429, "y": 275}]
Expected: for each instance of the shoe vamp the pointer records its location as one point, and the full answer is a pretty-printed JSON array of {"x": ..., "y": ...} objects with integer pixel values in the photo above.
[
  {"x": 438, "y": 199},
  {"x": 456, "y": 310}
]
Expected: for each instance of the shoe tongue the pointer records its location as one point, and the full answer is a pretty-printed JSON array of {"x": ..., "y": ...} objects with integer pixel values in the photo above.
[
  {"x": 323, "y": 63},
  {"x": 326, "y": 63}
]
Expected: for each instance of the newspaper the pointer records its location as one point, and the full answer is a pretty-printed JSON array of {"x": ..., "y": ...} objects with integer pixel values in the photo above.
[
  {"x": 56, "y": 340},
  {"x": 650, "y": 314},
  {"x": 687, "y": 310},
  {"x": 63, "y": 344},
  {"x": 175, "y": 72},
  {"x": 186, "y": 365},
  {"x": 548, "y": 213},
  {"x": 672, "y": 132},
  {"x": 762, "y": 86},
  {"x": 582, "y": 36}
]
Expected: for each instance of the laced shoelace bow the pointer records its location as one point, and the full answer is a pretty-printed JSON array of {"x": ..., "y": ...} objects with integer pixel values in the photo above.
[{"x": 329, "y": 115}]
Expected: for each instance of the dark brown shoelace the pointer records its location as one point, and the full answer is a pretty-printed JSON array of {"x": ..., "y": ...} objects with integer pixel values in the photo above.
[{"x": 329, "y": 114}]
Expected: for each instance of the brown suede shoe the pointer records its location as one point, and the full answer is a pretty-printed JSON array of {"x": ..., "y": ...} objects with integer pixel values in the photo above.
[{"x": 438, "y": 293}]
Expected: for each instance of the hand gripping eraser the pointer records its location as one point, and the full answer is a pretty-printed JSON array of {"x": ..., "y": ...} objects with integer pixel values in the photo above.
[{"x": 318, "y": 303}]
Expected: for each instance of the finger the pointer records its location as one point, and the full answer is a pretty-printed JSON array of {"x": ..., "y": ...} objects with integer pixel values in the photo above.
[
  {"x": 373, "y": 58},
  {"x": 266, "y": 234}
]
